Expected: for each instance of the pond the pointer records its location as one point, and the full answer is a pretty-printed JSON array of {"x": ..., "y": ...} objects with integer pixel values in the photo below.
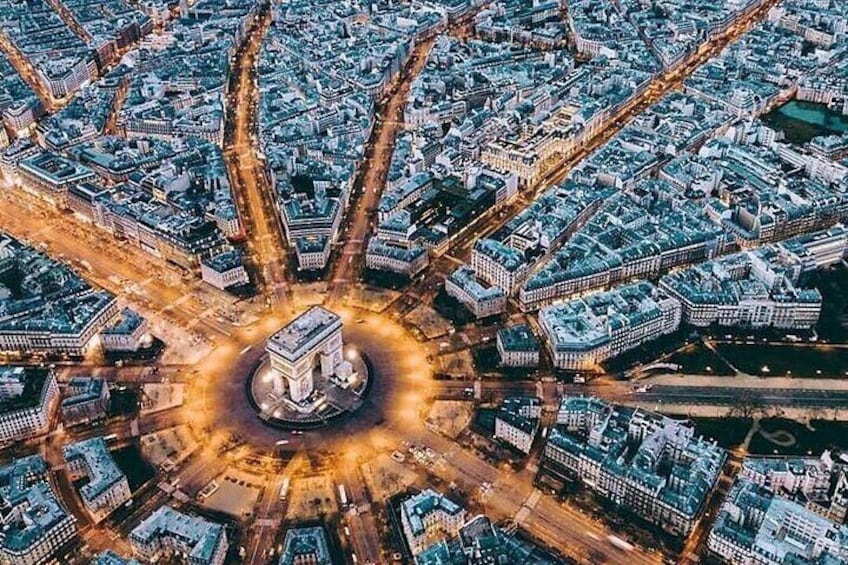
[{"x": 802, "y": 121}]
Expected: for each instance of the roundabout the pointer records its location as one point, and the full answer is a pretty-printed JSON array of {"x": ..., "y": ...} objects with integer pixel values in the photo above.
[
  {"x": 392, "y": 385},
  {"x": 309, "y": 376}
]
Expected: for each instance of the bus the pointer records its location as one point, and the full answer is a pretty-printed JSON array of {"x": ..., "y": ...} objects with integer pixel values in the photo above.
[
  {"x": 284, "y": 489},
  {"x": 342, "y": 495},
  {"x": 619, "y": 543}
]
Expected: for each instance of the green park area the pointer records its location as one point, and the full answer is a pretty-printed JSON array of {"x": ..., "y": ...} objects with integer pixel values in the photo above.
[{"x": 795, "y": 360}]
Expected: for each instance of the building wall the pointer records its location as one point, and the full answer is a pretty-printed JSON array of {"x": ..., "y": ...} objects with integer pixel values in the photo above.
[
  {"x": 78, "y": 343},
  {"x": 515, "y": 437},
  {"x": 224, "y": 280},
  {"x": 326, "y": 353},
  {"x": 43, "y": 548},
  {"x": 31, "y": 421},
  {"x": 480, "y": 308},
  {"x": 518, "y": 358}
]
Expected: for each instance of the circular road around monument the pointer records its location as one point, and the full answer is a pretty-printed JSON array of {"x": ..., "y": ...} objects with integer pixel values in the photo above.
[{"x": 218, "y": 401}]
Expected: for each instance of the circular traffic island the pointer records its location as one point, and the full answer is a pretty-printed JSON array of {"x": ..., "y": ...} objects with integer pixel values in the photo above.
[
  {"x": 332, "y": 396},
  {"x": 298, "y": 385}
]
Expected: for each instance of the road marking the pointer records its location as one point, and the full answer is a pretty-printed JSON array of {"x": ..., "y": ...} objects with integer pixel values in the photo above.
[
  {"x": 527, "y": 507},
  {"x": 266, "y": 523}
]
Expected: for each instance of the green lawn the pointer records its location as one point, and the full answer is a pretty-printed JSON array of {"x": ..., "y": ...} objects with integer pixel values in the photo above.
[
  {"x": 697, "y": 359},
  {"x": 484, "y": 421},
  {"x": 833, "y": 284},
  {"x": 777, "y": 360},
  {"x": 728, "y": 432},
  {"x": 795, "y": 438}
]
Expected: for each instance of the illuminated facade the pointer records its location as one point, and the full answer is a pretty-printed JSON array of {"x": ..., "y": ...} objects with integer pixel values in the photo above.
[{"x": 309, "y": 346}]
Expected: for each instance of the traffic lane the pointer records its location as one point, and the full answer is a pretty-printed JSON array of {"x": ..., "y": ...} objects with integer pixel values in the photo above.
[
  {"x": 362, "y": 523},
  {"x": 363, "y": 534},
  {"x": 374, "y": 170},
  {"x": 548, "y": 520},
  {"x": 128, "y": 272},
  {"x": 735, "y": 395}
]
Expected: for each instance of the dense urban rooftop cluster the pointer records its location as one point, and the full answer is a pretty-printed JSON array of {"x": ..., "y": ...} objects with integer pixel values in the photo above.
[
  {"x": 34, "y": 32},
  {"x": 171, "y": 198},
  {"x": 725, "y": 181},
  {"x": 318, "y": 86},
  {"x": 179, "y": 77},
  {"x": 101, "y": 22},
  {"x": 758, "y": 288},
  {"x": 19, "y": 106},
  {"x": 438, "y": 531},
  {"x": 706, "y": 204},
  {"x": 784, "y": 510},
  {"x": 537, "y": 23},
  {"x": 506, "y": 258},
  {"x": 600, "y": 29},
  {"x": 167, "y": 531},
  {"x": 682, "y": 208},
  {"x": 633, "y": 235},
  {"x": 753, "y": 289},
  {"x": 505, "y": 113},
  {"x": 35, "y": 523},
  {"x": 681, "y": 122},
  {"x": 469, "y": 95},
  {"x": 584, "y": 332},
  {"x": 651, "y": 464},
  {"x": 85, "y": 117},
  {"x": 69, "y": 43},
  {"x": 674, "y": 30},
  {"x": 776, "y": 57},
  {"x": 138, "y": 151},
  {"x": 45, "y": 306}
]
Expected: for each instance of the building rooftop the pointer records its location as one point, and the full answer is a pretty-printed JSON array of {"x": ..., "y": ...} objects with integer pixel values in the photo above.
[
  {"x": 763, "y": 275},
  {"x": 83, "y": 390},
  {"x": 765, "y": 524},
  {"x": 202, "y": 537},
  {"x": 305, "y": 545},
  {"x": 55, "y": 169},
  {"x": 44, "y": 295},
  {"x": 660, "y": 455},
  {"x": 518, "y": 338},
  {"x": 521, "y": 412},
  {"x": 102, "y": 471},
  {"x": 22, "y": 387},
  {"x": 377, "y": 246},
  {"x": 127, "y": 322},
  {"x": 415, "y": 508},
  {"x": 589, "y": 322},
  {"x": 465, "y": 278},
  {"x": 480, "y": 542},
  {"x": 37, "y": 512},
  {"x": 109, "y": 557},
  {"x": 303, "y": 329},
  {"x": 223, "y": 262}
]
